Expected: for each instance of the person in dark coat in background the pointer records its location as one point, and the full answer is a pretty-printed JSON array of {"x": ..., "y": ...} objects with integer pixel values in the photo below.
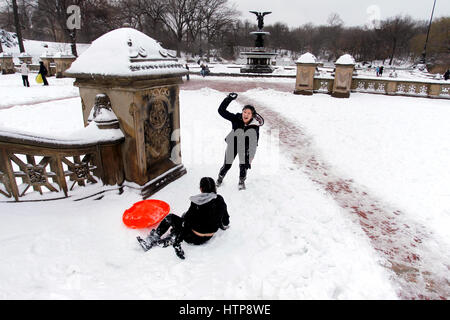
[
  {"x": 447, "y": 74},
  {"x": 187, "y": 75},
  {"x": 43, "y": 71},
  {"x": 206, "y": 215},
  {"x": 242, "y": 140},
  {"x": 381, "y": 71}
]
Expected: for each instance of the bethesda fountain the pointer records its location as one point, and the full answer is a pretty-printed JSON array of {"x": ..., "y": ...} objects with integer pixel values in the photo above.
[{"x": 259, "y": 60}]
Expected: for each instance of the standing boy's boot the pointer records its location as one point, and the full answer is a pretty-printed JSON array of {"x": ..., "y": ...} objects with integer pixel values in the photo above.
[
  {"x": 219, "y": 180},
  {"x": 242, "y": 184}
]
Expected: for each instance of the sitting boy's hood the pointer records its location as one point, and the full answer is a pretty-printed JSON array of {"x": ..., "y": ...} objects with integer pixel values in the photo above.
[{"x": 203, "y": 198}]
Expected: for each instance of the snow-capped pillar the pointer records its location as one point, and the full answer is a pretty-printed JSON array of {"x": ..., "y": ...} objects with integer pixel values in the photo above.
[
  {"x": 306, "y": 69},
  {"x": 25, "y": 57},
  {"x": 142, "y": 82},
  {"x": 7, "y": 63},
  {"x": 345, "y": 66},
  {"x": 63, "y": 62}
]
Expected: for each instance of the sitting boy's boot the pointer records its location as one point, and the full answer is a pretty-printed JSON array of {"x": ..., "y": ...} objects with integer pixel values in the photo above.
[
  {"x": 179, "y": 251},
  {"x": 219, "y": 180},
  {"x": 153, "y": 236},
  {"x": 146, "y": 246},
  {"x": 166, "y": 242},
  {"x": 242, "y": 184}
]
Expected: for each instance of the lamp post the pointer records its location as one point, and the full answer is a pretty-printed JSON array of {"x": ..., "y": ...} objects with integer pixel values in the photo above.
[{"x": 424, "y": 53}]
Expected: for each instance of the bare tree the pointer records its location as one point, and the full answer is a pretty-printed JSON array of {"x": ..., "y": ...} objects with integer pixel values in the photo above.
[
  {"x": 397, "y": 32},
  {"x": 17, "y": 25},
  {"x": 216, "y": 17}
]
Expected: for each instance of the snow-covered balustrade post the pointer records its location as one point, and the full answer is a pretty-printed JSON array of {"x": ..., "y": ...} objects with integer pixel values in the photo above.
[
  {"x": 63, "y": 62},
  {"x": 25, "y": 57},
  {"x": 345, "y": 66},
  {"x": 306, "y": 69},
  {"x": 47, "y": 59},
  {"x": 7, "y": 63},
  {"x": 142, "y": 81}
]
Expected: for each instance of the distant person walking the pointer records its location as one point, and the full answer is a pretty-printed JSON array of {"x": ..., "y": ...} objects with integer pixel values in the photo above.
[
  {"x": 381, "y": 71},
  {"x": 24, "y": 71},
  {"x": 187, "y": 75},
  {"x": 43, "y": 72},
  {"x": 378, "y": 71},
  {"x": 447, "y": 74}
]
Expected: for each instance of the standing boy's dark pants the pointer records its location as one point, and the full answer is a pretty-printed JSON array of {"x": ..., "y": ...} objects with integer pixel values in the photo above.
[
  {"x": 230, "y": 155},
  {"x": 44, "y": 78},
  {"x": 26, "y": 83}
]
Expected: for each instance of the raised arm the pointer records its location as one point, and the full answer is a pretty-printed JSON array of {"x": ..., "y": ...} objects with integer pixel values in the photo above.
[{"x": 224, "y": 105}]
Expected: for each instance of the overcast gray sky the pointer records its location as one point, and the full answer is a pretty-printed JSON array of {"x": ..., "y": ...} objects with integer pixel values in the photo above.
[{"x": 352, "y": 12}]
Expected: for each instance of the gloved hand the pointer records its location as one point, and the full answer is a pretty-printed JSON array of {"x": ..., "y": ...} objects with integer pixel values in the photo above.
[{"x": 233, "y": 96}]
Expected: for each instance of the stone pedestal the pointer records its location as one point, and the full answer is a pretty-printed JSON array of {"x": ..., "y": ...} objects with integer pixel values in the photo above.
[
  {"x": 258, "y": 60},
  {"x": 47, "y": 59},
  {"x": 143, "y": 87},
  {"x": 63, "y": 62},
  {"x": 7, "y": 63},
  {"x": 343, "y": 77},
  {"x": 306, "y": 69}
]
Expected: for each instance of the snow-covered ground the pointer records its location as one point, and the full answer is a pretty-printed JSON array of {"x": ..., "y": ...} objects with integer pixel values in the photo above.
[{"x": 288, "y": 238}]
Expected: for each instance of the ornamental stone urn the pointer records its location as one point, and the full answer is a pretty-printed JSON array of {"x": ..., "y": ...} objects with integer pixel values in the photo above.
[
  {"x": 7, "y": 63},
  {"x": 142, "y": 82},
  {"x": 345, "y": 66},
  {"x": 306, "y": 69}
]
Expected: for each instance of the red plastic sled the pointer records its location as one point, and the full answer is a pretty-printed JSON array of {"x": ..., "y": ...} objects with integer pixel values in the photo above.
[{"x": 145, "y": 214}]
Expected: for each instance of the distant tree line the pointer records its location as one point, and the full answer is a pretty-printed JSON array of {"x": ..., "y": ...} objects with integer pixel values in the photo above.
[{"x": 213, "y": 27}]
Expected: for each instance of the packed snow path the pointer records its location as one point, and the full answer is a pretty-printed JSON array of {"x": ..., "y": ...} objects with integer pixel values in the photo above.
[{"x": 419, "y": 268}]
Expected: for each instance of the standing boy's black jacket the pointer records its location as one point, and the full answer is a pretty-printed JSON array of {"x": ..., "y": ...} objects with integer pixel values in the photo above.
[
  {"x": 207, "y": 213},
  {"x": 237, "y": 123}
]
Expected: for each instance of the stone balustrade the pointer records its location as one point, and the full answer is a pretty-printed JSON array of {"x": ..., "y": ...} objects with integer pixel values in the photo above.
[{"x": 344, "y": 81}]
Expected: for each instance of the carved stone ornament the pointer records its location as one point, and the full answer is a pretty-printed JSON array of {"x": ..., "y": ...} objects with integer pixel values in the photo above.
[
  {"x": 157, "y": 128},
  {"x": 36, "y": 175}
]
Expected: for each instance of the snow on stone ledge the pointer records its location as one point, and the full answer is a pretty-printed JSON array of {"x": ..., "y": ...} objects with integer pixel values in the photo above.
[
  {"x": 346, "y": 59},
  {"x": 63, "y": 55},
  {"x": 126, "y": 52},
  {"x": 307, "y": 58},
  {"x": 90, "y": 135}
]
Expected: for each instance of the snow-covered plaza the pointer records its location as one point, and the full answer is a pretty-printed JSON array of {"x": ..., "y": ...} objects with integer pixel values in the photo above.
[{"x": 301, "y": 230}]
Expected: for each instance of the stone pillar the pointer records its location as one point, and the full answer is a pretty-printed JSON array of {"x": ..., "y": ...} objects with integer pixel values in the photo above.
[
  {"x": 25, "y": 57},
  {"x": 142, "y": 82},
  {"x": 345, "y": 66},
  {"x": 63, "y": 62},
  {"x": 6, "y": 60},
  {"x": 47, "y": 59},
  {"x": 306, "y": 69}
]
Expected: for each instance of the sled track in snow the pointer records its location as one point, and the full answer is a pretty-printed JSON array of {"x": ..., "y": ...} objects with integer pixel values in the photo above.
[{"x": 408, "y": 249}]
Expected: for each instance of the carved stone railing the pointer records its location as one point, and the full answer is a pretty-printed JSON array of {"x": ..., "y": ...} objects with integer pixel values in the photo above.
[
  {"x": 57, "y": 165},
  {"x": 27, "y": 163},
  {"x": 402, "y": 87},
  {"x": 388, "y": 86}
]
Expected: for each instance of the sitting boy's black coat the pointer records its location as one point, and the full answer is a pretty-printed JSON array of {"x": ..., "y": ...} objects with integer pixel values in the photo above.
[{"x": 207, "y": 217}]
